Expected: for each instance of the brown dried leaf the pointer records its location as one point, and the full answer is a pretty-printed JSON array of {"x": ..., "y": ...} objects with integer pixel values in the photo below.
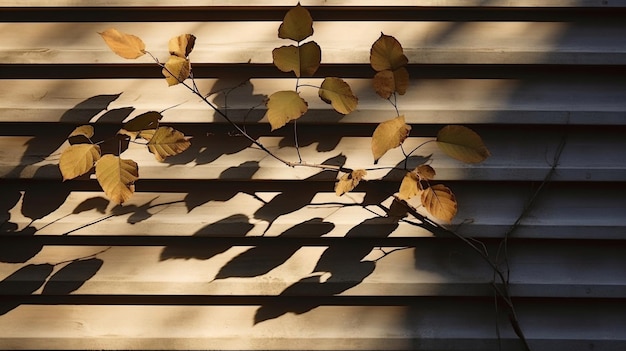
[
  {"x": 78, "y": 159},
  {"x": 117, "y": 177},
  {"x": 425, "y": 172},
  {"x": 297, "y": 24},
  {"x": 125, "y": 45},
  {"x": 167, "y": 141},
  {"x": 349, "y": 181},
  {"x": 440, "y": 202},
  {"x": 303, "y": 60},
  {"x": 284, "y": 106},
  {"x": 409, "y": 187},
  {"x": 176, "y": 70},
  {"x": 462, "y": 144},
  {"x": 389, "y": 135},
  {"x": 181, "y": 45},
  {"x": 387, "y": 54},
  {"x": 337, "y": 92},
  {"x": 388, "y": 82}
]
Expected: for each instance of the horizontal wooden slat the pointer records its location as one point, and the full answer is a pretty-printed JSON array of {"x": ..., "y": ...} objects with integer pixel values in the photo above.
[
  {"x": 235, "y": 210},
  {"x": 424, "y": 42},
  {"x": 454, "y": 3},
  {"x": 515, "y": 156},
  {"x": 430, "y": 324},
  {"x": 582, "y": 99},
  {"x": 442, "y": 267}
]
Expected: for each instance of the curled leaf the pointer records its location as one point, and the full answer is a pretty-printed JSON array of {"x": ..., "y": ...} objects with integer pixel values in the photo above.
[
  {"x": 462, "y": 144},
  {"x": 409, "y": 187},
  {"x": 425, "y": 172},
  {"x": 297, "y": 24},
  {"x": 349, "y": 181},
  {"x": 81, "y": 135},
  {"x": 440, "y": 202},
  {"x": 145, "y": 121},
  {"x": 166, "y": 141},
  {"x": 284, "y": 106},
  {"x": 337, "y": 92},
  {"x": 388, "y": 82},
  {"x": 78, "y": 159},
  {"x": 117, "y": 177},
  {"x": 181, "y": 45},
  {"x": 389, "y": 135},
  {"x": 125, "y": 45},
  {"x": 303, "y": 60},
  {"x": 176, "y": 70},
  {"x": 387, "y": 54}
]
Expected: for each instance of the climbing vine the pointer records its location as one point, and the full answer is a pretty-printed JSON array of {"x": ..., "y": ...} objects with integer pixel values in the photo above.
[{"x": 117, "y": 175}]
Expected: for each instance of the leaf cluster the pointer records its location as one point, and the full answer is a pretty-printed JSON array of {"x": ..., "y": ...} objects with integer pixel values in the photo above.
[{"x": 303, "y": 58}]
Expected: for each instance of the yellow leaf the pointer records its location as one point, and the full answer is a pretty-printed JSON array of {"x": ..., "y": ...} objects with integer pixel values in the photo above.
[
  {"x": 176, "y": 70},
  {"x": 440, "y": 202},
  {"x": 409, "y": 187},
  {"x": 349, "y": 181},
  {"x": 125, "y": 45},
  {"x": 181, "y": 45},
  {"x": 167, "y": 141},
  {"x": 117, "y": 177},
  {"x": 388, "y": 82},
  {"x": 337, "y": 92},
  {"x": 303, "y": 60},
  {"x": 297, "y": 24},
  {"x": 78, "y": 159},
  {"x": 81, "y": 135},
  {"x": 148, "y": 120},
  {"x": 389, "y": 135},
  {"x": 425, "y": 172},
  {"x": 462, "y": 144},
  {"x": 386, "y": 53},
  {"x": 284, "y": 106}
]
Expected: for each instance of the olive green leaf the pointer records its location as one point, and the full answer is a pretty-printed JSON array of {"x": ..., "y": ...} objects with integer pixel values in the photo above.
[
  {"x": 462, "y": 144},
  {"x": 387, "y": 82},
  {"x": 176, "y": 70},
  {"x": 297, "y": 24},
  {"x": 284, "y": 106},
  {"x": 389, "y": 135},
  {"x": 145, "y": 121},
  {"x": 387, "y": 54},
  {"x": 303, "y": 60},
  {"x": 337, "y": 92}
]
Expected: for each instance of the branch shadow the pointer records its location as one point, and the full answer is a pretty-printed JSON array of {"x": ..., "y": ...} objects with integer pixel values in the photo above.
[
  {"x": 235, "y": 226},
  {"x": 339, "y": 268},
  {"x": 261, "y": 260}
]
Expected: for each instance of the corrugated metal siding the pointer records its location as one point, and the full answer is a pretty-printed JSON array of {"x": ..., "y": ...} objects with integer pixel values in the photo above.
[{"x": 223, "y": 248}]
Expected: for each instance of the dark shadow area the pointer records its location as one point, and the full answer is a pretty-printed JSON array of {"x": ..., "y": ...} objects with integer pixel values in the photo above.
[
  {"x": 97, "y": 203},
  {"x": 72, "y": 276},
  {"x": 328, "y": 143},
  {"x": 24, "y": 281},
  {"x": 260, "y": 260},
  {"x": 235, "y": 226},
  {"x": 42, "y": 198},
  {"x": 22, "y": 250},
  {"x": 342, "y": 262},
  {"x": 378, "y": 194}
]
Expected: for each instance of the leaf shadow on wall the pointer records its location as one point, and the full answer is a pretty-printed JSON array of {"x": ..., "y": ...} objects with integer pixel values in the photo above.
[
  {"x": 260, "y": 260},
  {"x": 211, "y": 141},
  {"x": 235, "y": 226},
  {"x": 342, "y": 263}
]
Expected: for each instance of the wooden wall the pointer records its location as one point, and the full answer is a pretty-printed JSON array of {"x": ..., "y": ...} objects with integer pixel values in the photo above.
[{"x": 224, "y": 248}]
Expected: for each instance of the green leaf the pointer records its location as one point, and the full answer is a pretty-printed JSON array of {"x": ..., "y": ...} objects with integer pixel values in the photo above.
[
  {"x": 125, "y": 45},
  {"x": 297, "y": 24},
  {"x": 284, "y": 106},
  {"x": 166, "y": 141},
  {"x": 303, "y": 60},
  {"x": 386, "y": 53},
  {"x": 181, "y": 45},
  {"x": 388, "y": 82},
  {"x": 81, "y": 135},
  {"x": 176, "y": 70},
  {"x": 78, "y": 159},
  {"x": 349, "y": 181},
  {"x": 462, "y": 144},
  {"x": 337, "y": 92},
  {"x": 440, "y": 202},
  {"x": 389, "y": 135},
  {"x": 117, "y": 177},
  {"x": 148, "y": 120}
]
